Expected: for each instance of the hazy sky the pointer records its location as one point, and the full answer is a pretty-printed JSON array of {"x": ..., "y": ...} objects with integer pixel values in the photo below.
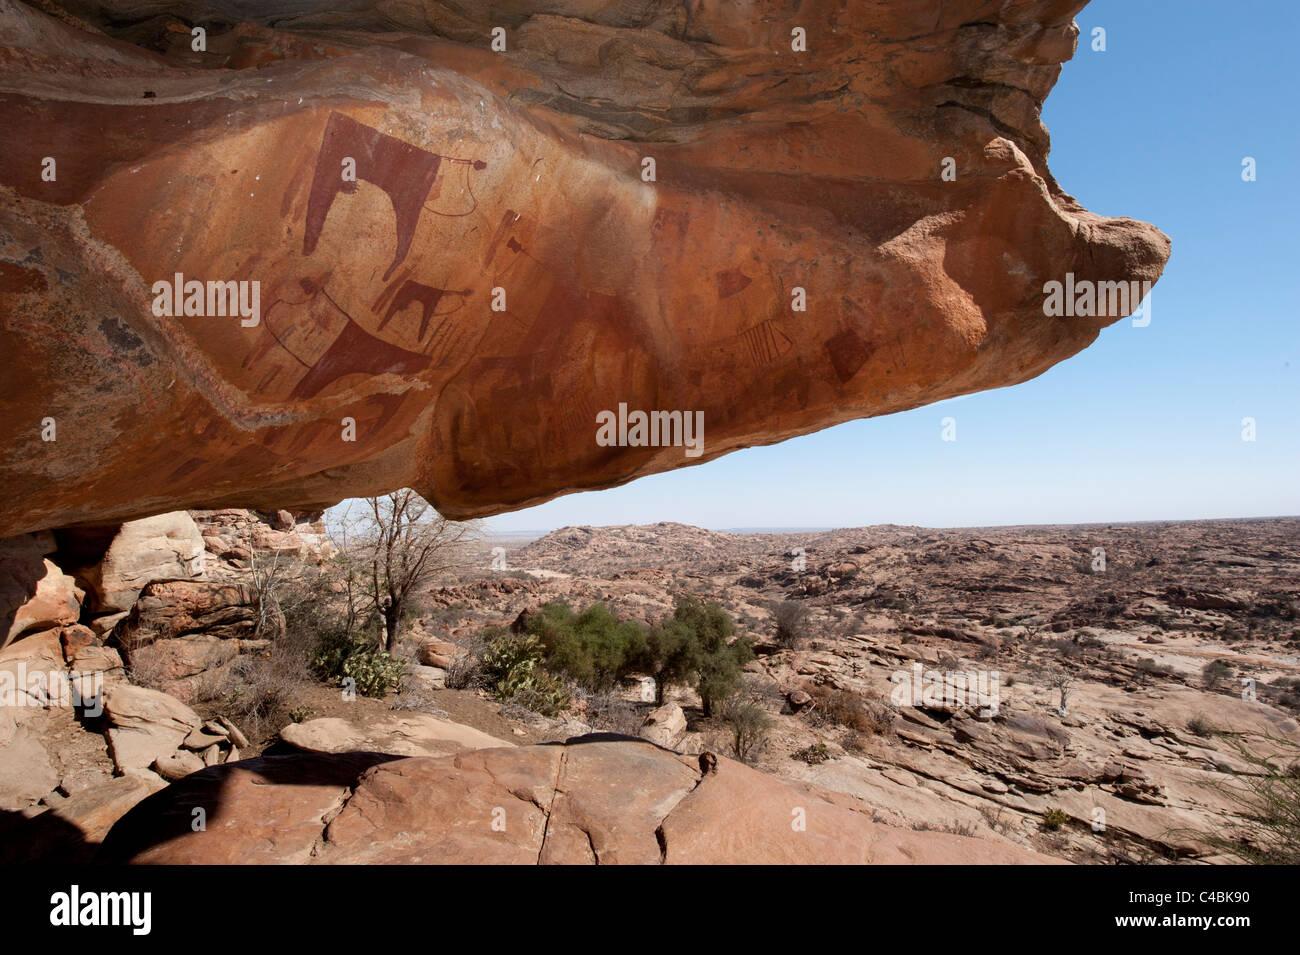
[{"x": 1147, "y": 423}]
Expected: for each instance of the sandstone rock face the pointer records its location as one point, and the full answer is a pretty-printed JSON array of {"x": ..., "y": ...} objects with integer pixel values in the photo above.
[
  {"x": 32, "y": 674},
  {"x": 594, "y": 799},
  {"x": 462, "y": 259},
  {"x": 34, "y": 593},
  {"x": 235, "y": 535},
  {"x": 181, "y": 629},
  {"x": 26, "y": 773},
  {"x": 164, "y": 547}
]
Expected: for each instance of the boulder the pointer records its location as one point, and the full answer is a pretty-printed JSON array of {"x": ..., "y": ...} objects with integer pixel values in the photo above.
[
  {"x": 33, "y": 674},
  {"x": 798, "y": 700},
  {"x": 439, "y": 653},
  {"x": 71, "y": 831},
  {"x": 94, "y": 810},
  {"x": 180, "y": 666},
  {"x": 76, "y": 638},
  {"x": 34, "y": 593},
  {"x": 145, "y": 725},
  {"x": 776, "y": 177},
  {"x": 432, "y": 677},
  {"x": 174, "y": 608},
  {"x": 163, "y": 547},
  {"x": 26, "y": 771},
  {"x": 665, "y": 725},
  {"x": 594, "y": 799},
  {"x": 102, "y": 626}
]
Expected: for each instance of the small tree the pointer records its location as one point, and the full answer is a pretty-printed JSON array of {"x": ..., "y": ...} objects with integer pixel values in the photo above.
[
  {"x": 790, "y": 620},
  {"x": 671, "y": 655},
  {"x": 594, "y": 648},
  {"x": 400, "y": 544},
  {"x": 1216, "y": 673},
  {"x": 268, "y": 572},
  {"x": 749, "y": 724},
  {"x": 1063, "y": 682},
  {"x": 721, "y": 654}
]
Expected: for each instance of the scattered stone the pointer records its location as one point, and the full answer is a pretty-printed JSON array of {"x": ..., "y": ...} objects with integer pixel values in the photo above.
[
  {"x": 798, "y": 699},
  {"x": 146, "y": 725},
  {"x": 201, "y": 740},
  {"x": 178, "y": 765},
  {"x": 236, "y": 737},
  {"x": 665, "y": 726}
]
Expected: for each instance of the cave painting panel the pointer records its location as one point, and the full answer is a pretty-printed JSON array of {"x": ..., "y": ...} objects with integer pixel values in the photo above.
[
  {"x": 310, "y": 341},
  {"x": 406, "y": 173}
]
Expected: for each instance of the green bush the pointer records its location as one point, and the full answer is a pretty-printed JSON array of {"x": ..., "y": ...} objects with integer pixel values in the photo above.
[
  {"x": 514, "y": 667},
  {"x": 749, "y": 724},
  {"x": 1055, "y": 818},
  {"x": 594, "y": 648},
  {"x": 342, "y": 656}
]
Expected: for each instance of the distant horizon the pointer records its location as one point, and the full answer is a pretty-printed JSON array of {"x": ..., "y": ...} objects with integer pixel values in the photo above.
[{"x": 542, "y": 532}]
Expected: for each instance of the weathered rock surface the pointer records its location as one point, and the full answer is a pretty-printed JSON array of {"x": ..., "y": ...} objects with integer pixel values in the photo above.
[
  {"x": 665, "y": 725},
  {"x": 26, "y": 773},
  {"x": 164, "y": 547},
  {"x": 71, "y": 830},
  {"x": 593, "y": 799},
  {"x": 406, "y": 734},
  {"x": 375, "y": 358},
  {"x": 183, "y": 632},
  {"x": 34, "y": 593},
  {"x": 32, "y": 674},
  {"x": 234, "y": 536},
  {"x": 146, "y": 725}
]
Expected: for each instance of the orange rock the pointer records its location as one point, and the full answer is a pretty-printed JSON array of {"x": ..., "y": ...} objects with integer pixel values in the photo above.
[
  {"x": 593, "y": 799},
  {"x": 456, "y": 315}
]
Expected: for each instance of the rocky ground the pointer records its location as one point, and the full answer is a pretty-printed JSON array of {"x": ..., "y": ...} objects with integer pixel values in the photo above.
[
  {"x": 155, "y": 625},
  {"x": 1127, "y": 616}
]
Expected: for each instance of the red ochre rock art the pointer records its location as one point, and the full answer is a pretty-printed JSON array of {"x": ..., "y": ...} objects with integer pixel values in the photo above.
[{"x": 460, "y": 264}]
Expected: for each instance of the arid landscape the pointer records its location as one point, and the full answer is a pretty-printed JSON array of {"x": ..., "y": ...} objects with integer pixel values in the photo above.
[
  {"x": 1093, "y": 694},
  {"x": 299, "y": 298}
]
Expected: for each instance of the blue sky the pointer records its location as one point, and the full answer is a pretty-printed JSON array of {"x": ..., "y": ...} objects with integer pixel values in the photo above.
[{"x": 1145, "y": 424}]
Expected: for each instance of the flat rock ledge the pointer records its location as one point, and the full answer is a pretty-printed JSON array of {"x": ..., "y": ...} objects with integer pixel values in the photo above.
[{"x": 596, "y": 799}]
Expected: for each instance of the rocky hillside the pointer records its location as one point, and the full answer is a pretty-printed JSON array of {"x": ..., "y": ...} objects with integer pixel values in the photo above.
[
  {"x": 1093, "y": 694},
  {"x": 1165, "y": 636}
]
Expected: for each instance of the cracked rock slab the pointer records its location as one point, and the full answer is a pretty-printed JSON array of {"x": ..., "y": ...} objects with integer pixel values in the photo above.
[{"x": 594, "y": 799}]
